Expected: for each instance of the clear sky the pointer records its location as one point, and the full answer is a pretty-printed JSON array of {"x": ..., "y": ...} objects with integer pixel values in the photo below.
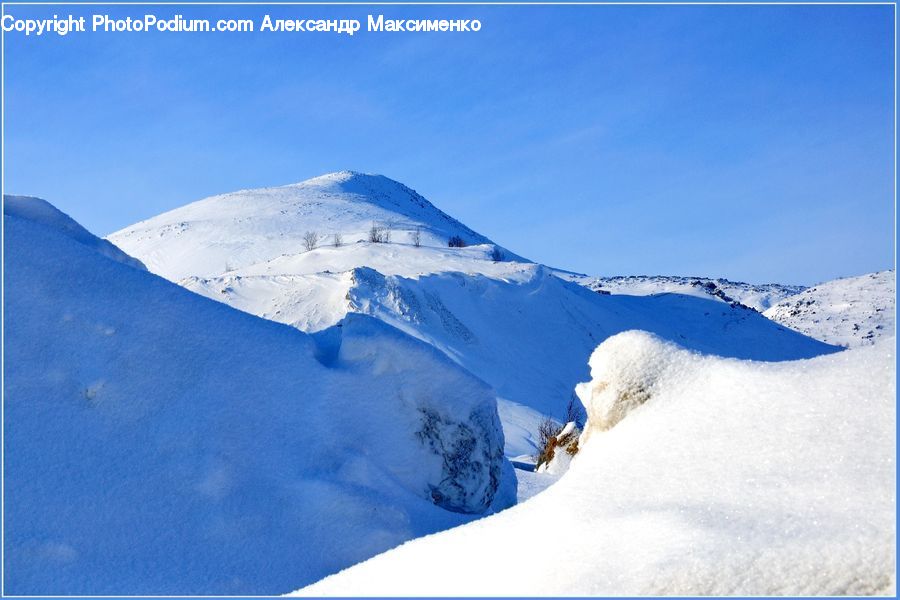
[{"x": 748, "y": 142}]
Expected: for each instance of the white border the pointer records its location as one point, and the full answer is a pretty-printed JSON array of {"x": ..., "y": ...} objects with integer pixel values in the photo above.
[{"x": 3, "y": 6}]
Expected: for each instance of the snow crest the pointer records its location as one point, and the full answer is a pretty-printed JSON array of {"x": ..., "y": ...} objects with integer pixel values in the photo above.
[
  {"x": 701, "y": 476},
  {"x": 41, "y": 212},
  {"x": 625, "y": 372}
]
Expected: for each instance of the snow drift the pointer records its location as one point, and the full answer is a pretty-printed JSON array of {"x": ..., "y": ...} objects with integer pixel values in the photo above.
[
  {"x": 696, "y": 475},
  {"x": 41, "y": 212},
  {"x": 161, "y": 443}
]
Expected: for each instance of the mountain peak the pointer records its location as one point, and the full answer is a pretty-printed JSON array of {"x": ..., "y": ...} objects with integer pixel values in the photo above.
[
  {"x": 369, "y": 185},
  {"x": 247, "y": 227},
  {"x": 342, "y": 177}
]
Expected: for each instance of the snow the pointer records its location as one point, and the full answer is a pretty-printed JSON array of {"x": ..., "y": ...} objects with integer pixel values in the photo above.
[
  {"x": 525, "y": 329},
  {"x": 756, "y": 296},
  {"x": 696, "y": 475},
  {"x": 532, "y": 483},
  {"x": 235, "y": 230},
  {"x": 46, "y": 215},
  {"x": 160, "y": 443},
  {"x": 852, "y": 311}
]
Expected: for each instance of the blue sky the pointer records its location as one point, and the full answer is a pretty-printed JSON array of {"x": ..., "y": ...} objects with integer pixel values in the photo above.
[{"x": 750, "y": 142}]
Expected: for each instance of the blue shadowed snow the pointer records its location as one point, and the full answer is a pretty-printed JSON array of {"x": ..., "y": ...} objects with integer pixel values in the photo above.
[{"x": 161, "y": 443}]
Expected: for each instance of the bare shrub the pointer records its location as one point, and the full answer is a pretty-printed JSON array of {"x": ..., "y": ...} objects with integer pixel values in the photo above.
[
  {"x": 547, "y": 430},
  {"x": 310, "y": 240},
  {"x": 417, "y": 237},
  {"x": 338, "y": 240},
  {"x": 497, "y": 254},
  {"x": 553, "y": 437},
  {"x": 456, "y": 242},
  {"x": 378, "y": 235}
]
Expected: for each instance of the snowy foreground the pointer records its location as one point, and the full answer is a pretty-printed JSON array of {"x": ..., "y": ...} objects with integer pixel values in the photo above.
[
  {"x": 161, "y": 443},
  {"x": 697, "y": 475},
  {"x": 364, "y": 393}
]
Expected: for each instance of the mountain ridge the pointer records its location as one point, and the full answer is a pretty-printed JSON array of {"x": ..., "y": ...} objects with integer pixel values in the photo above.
[{"x": 236, "y": 229}]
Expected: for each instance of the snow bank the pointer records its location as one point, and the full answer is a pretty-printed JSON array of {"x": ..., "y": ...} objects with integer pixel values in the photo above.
[
  {"x": 699, "y": 475},
  {"x": 160, "y": 443},
  {"x": 42, "y": 212},
  {"x": 626, "y": 371}
]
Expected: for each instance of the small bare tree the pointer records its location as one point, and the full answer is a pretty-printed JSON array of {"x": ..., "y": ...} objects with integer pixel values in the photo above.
[
  {"x": 387, "y": 230},
  {"x": 417, "y": 237},
  {"x": 547, "y": 431},
  {"x": 310, "y": 240},
  {"x": 380, "y": 234},
  {"x": 375, "y": 234},
  {"x": 338, "y": 240},
  {"x": 456, "y": 242}
]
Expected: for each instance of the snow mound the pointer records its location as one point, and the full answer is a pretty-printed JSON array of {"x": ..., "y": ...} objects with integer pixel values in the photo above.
[
  {"x": 40, "y": 211},
  {"x": 625, "y": 372},
  {"x": 239, "y": 229},
  {"x": 730, "y": 478},
  {"x": 160, "y": 443},
  {"x": 853, "y": 311}
]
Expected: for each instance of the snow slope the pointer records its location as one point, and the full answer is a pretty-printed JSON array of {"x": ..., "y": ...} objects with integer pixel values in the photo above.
[
  {"x": 160, "y": 443},
  {"x": 42, "y": 212},
  {"x": 756, "y": 296},
  {"x": 853, "y": 311},
  {"x": 515, "y": 324},
  {"x": 717, "y": 476},
  {"x": 230, "y": 231}
]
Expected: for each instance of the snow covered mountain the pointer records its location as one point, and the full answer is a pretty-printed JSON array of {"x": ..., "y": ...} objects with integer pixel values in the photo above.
[
  {"x": 852, "y": 311},
  {"x": 515, "y": 324},
  {"x": 756, "y": 296},
  {"x": 157, "y": 442},
  {"x": 697, "y": 475},
  {"x": 235, "y": 230}
]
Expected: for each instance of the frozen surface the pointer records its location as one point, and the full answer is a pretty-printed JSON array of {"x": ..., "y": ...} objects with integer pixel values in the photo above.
[
  {"x": 697, "y": 475},
  {"x": 523, "y": 328},
  {"x": 160, "y": 443},
  {"x": 854, "y": 311}
]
